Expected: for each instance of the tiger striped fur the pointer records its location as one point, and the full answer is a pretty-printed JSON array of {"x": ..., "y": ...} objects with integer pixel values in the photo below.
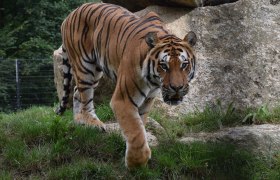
[{"x": 138, "y": 53}]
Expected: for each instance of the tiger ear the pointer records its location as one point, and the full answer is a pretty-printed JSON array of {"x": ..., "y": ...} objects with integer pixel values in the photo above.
[
  {"x": 151, "y": 39},
  {"x": 190, "y": 38}
]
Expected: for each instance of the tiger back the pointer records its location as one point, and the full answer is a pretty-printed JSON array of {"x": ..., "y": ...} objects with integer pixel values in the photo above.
[{"x": 138, "y": 53}]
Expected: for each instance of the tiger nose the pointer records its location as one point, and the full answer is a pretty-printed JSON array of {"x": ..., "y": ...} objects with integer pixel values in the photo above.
[{"x": 176, "y": 88}]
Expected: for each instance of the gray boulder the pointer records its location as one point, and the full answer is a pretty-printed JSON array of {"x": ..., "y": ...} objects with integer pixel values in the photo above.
[
  {"x": 238, "y": 52},
  {"x": 141, "y": 4},
  {"x": 263, "y": 139}
]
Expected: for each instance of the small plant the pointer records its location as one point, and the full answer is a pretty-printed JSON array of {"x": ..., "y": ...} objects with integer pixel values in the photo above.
[
  {"x": 104, "y": 112},
  {"x": 262, "y": 115},
  {"x": 212, "y": 118}
]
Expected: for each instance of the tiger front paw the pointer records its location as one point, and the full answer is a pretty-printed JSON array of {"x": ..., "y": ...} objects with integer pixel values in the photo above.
[
  {"x": 136, "y": 157},
  {"x": 89, "y": 120}
]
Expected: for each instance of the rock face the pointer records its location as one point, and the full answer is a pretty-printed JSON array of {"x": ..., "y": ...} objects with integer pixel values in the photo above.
[
  {"x": 238, "y": 52},
  {"x": 263, "y": 139},
  {"x": 138, "y": 5}
]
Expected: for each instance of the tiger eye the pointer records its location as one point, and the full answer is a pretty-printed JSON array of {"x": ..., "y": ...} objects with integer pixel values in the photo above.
[{"x": 164, "y": 67}]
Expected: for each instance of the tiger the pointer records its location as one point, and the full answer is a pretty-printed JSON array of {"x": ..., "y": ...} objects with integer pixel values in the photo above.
[{"x": 138, "y": 54}]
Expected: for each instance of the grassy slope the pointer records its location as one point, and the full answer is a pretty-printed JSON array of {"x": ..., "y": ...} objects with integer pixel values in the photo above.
[{"x": 37, "y": 144}]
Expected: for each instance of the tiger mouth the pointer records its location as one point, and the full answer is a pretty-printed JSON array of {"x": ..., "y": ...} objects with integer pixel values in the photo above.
[
  {"x": 173, "y": 100},
  {"x": 172, "y": 97}
]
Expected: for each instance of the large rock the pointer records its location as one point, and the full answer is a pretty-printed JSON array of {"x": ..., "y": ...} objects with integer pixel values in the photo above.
[
  {"x": 238, "y": 52},
  {"x": 138, "y": 5},
  {"x": 263, "y": 139}
]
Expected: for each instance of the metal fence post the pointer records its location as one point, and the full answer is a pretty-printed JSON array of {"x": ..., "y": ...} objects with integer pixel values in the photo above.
[{"x": 18, "y": 106}]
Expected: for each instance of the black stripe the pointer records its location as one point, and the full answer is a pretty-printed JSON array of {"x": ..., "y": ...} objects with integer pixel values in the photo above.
[
  {"x": 117, "y": 44},
  {"x": 105, "y": 68},
  {"x": 141, "y": 114},
  {"x": 73, "y": 25},
  {"x": 149, "y": 75},
  {"x": 107, "y": 38},
  {"x": 65, "y": 31},
  {"x": 89, "y": 4},
  {"x": 121, "y": 91},
  {"x": 128, "y": 95},
  {"x": 66, "y": 89},
  {"x": 157, "y": 54},
  {"x": 84, "y": 49},
  {"x": 77, "y": 99},
  {"x": 127, "y": 27},
  {"x": 94, "y": 10},
  {"x": 85, "y": 32},
  {"x": 100, "y": 14},
  {"x": 85, "y": 82},
  {"x": 80, "y": 16},
  {"x": 154, "y": 64},
  {"x": 64, "y": 99},
  {"x": 152, "y": 82},
  {"x": 115, "y": 76},
  {"x": 83, "y": 69},
  {"x": 83, "y": 89},
  {"x": 89, "y": 101},
  {"x": 150, "y": 26},
  {"x": 98, "y": 68},
  {"x": 119, "y": 18},
  {"x": 139, "y": 89}
]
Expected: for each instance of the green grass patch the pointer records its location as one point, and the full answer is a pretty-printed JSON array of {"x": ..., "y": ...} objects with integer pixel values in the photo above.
[
  {"x": 104, "y": 112},
  {"x": 37, "y": 144},
  {"x": 214, "y": 118}
]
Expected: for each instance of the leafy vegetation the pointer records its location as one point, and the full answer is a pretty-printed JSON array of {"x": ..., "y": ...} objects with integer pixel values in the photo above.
[
  {"x": 30, "y": 32},
  {"x": 37, "y": 144},
  {"x": 31, "y": 29}
]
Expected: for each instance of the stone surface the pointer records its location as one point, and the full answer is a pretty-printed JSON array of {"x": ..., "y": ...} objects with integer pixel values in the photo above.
[
  {"x": 256, "y": 138},
  {"x": 138, "y": 5},
  {"x": 238, "y": 52}
]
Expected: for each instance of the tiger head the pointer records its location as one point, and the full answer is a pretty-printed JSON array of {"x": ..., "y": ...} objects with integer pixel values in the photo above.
[{"x": 170, "y": 65}]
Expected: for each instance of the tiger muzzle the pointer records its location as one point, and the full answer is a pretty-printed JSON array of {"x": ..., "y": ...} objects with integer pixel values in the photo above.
[{"x": 173, "y": 95}]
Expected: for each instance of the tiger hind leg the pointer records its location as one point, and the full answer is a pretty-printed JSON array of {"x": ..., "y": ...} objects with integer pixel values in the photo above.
[
  {"x": 67, "y": 77},
  {"x": 76, "y": 101},
  {"x": 83, "y": 104}
]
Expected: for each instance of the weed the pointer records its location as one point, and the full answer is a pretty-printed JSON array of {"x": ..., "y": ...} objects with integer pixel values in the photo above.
[{"x": 262, "y": 115}]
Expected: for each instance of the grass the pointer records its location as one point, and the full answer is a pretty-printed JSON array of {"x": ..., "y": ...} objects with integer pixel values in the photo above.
[
  {"x": 214, "y": 118},
  {"x": 37, "y": 144}
]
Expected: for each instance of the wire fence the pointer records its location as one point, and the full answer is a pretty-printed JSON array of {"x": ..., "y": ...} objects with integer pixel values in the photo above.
[{"x": 25, "y": 83}]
